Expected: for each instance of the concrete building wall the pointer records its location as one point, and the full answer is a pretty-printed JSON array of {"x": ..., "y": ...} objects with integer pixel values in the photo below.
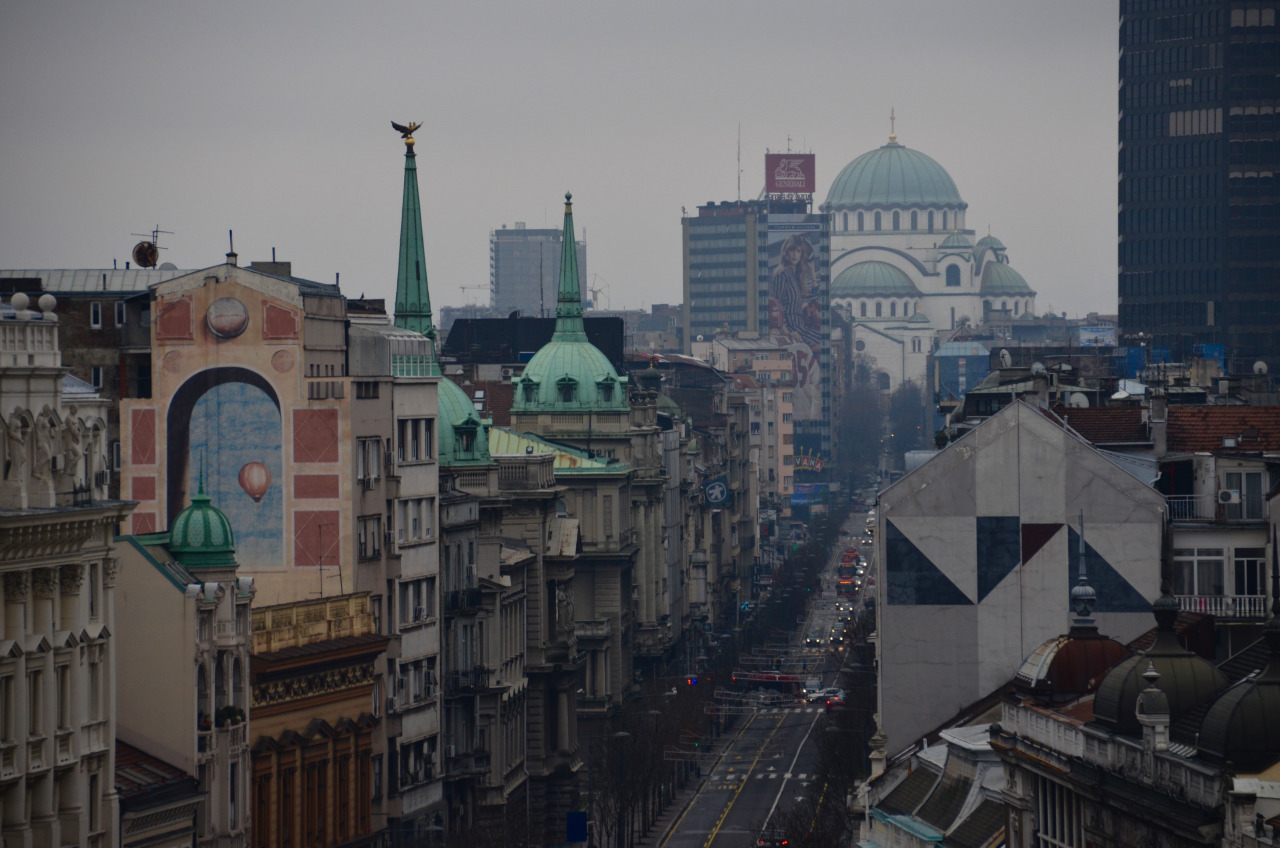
[{"x": 979, "y": 550}]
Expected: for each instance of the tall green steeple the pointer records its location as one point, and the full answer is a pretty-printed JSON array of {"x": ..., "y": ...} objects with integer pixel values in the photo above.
[
  {"x": 413, "y": 300},
  {"x": 569, "y": 326},
  {"x": 569, "y": 373}
]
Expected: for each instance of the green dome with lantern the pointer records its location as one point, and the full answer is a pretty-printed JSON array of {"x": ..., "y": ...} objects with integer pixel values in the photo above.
[
  {"x": 201, "y": 536},
  {"x": 569, "y": 373}
]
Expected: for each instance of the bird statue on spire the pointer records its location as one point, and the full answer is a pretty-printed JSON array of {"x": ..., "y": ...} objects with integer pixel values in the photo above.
[{"x": 406, "y": 132}]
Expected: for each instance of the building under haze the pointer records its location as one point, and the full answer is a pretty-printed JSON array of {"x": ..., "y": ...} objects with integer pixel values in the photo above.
[
  {"x": 1199, "y": 221},
  {"x": 524, "y": 269}
]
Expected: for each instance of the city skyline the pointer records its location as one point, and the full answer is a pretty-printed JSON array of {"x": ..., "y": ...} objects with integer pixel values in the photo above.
[{"x": 252, "y": 119}]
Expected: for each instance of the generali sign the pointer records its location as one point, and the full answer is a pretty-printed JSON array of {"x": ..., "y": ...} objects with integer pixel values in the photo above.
[{"x": 789, "y": 173}]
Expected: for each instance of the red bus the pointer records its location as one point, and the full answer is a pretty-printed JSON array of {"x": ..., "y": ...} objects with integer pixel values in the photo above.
[{"x": 788, "y": 686}]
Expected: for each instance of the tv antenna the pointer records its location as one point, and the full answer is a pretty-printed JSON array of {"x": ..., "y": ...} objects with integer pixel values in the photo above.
[{"x": 146, "y": 253}]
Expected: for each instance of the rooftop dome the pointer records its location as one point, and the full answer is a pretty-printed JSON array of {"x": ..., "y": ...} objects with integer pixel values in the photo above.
[
  {"x": 462, "y": 437},
  {"x": 893, "y": 175},
  {"x": 1068, "y": 666},
  {"x": 569, "y": 373},
  {"x": 998, "y": 278},
  {"x": 918, "y": 317},
  {"x": 201, "y": 536},
  {"x": 989, "y": 241},
  {"x": 1186, "y": 679},
  {"x": 957, "y": 239},
  {"x": 1243, "y": 725},
  {"x": 873, "y": 279}
]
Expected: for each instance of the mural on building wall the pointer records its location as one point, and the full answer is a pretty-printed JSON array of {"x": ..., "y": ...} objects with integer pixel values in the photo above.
[
  {"x": 796, "y": 304},
  {"x": 235, "y": 433}
]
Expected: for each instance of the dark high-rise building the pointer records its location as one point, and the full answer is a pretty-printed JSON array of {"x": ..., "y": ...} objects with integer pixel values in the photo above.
[{"x": 1199, "y": 213}]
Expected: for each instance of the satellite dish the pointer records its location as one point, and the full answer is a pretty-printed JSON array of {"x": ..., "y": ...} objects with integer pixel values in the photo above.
[
  {"x": 146, "y": 254},
  {"x": 1120, "y": 395},
  {"x": 1037, "y": 368},
  {"x": 1260, "y": 367},
  {"x": 168, "y": 266},
  {"x": 699, "y": 337},
  {"x": 1005, "y": 359},
  {"x": 1078, "y": 400}
]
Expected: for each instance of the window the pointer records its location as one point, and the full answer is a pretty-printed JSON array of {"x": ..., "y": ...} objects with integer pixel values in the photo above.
[
  {"x": 606, "y": 390},
  {"x": 879, "y": 308},
  {"x": 786, "y": 418},
  {"x": 895, "y": 220},
  {"x": 1198, "y": 571},
  {"x": 863, "y": 309},
  {"x": 115, "y": 456},
  {"x": 787, "y": 396},
  {"x": 119, "y": 313},
  {"x": 1250, "y": 568},
  {"x": 877, "y": 221},
  {"x": 369, "y": 537},
  {"x": 366, "y": 389},
  {"x": 368, "y": 461},
  {"x": 567, "y": 389},
  {"x": 1249, "y": 485},
  {"x": 859, "y": 222},
  {"x": 844, "y": 221},
  {"x": 415, "y": 520},
  {"x": 93, "y": 591},
  {"x": 530, "y": 390},
  {"x": 34, "y": 703},
  {"x": 466, "y": 437},
  {"x": 893, "y": 309},
  {"x": 755, "y": 428},
  {"x": 787, "y": 481},
  {"x": 375, "y": 773},
  {"x": 417, "y": 603},
  {"x": 95, "y": 315},
  {"x": 953, "y": 275},
  {"x": 7, "y": 708},
  {"x": 415, "y": 439},
  {"x": 915, "y": 222},
  {"x": 944, "y": 220},
  {"x": 930, "y": 221},
  {"x": 788, "y": 460},
  {"x": 64, "y": 697},
  {"x": 96, "y": 376}
]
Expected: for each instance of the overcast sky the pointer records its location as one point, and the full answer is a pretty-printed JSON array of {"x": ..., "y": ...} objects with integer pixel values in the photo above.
[{"x": 272, "y": 119}]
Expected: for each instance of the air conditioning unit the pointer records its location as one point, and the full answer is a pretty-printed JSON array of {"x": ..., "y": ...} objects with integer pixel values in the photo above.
[
  {"x": 506, "y": 373},
  {"x": 367, "y": 483},
  {"x": 1228, "y": 496}
]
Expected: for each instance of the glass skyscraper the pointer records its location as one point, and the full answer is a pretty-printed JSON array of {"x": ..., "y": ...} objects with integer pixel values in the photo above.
[{"x": 1199, "y": 217}]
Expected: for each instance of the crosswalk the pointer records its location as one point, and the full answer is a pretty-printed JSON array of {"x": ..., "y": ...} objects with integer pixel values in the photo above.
[{"x": 732, "y": 779}]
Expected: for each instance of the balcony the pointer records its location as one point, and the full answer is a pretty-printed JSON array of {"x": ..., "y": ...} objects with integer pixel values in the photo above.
[
  {"x": 469, "y": 680},
  {"x": 593, "y": 628},
  {"x": 1232, "y": 607},
  {"x": 463, "y": 600},
  {"x": 1208, "y": 508}
]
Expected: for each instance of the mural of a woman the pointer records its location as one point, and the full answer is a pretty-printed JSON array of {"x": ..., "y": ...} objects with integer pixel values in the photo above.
[{"x": 793, "y": 288}]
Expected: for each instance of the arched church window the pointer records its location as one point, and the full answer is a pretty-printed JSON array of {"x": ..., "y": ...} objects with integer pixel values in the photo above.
[
  {"x": 915, "y": 344},
  {"x": 895, "y": 220},
  {"x": 859, "y": 222},
  {"x": 930, "y": 221},
  {"x": 893, "y": 309},
  {"x": 863, "y": 306},
  {"x": 914, "y": 222},
  {"x": 844, "y": 221},
  {"x": 878, "y": 306},
  {"x": 1015, "y": 307},
  {"x": 953, "y": 275},
  {"x": 944, "y": 219},
  {"x": 882, "y": 380},
  {"x": 877, "y": 222},
  {"x": 1004, "y": 306}
]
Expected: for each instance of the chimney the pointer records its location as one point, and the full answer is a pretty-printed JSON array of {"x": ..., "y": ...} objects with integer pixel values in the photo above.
[{"x": 1159, "y": 422}]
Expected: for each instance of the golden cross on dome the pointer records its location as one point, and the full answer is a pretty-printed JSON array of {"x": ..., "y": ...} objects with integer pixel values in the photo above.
[{"x": 893, "y": 136}]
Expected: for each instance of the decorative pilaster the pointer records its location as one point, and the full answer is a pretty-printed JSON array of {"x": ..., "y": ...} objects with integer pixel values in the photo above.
[{"x": 110, "y": 566}]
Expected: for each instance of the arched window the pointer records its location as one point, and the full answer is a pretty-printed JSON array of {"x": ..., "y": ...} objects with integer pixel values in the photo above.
[
  {"x": 914, "y": 222},
  {"x": 953, "y": 275},
  {"x": 931, "y": 221},
  {"x": 895, "y": 220},
  {"x": 605, "y": 388},
  {"x": 1004, "y": 306},
  {"x": 882, "y": 380},
  {"x": 859, "y": 222},
  {"x": 567, "y": 389},
  {"x": 530, "y": 388},
  {"x": 944, "y": 219},
  {"x": 915, "y": 344},
  {"x": 893, "y": 309},
  {"x": 877, "y": 222},
  {"x": 878, "y": 309},
  {"x": 863, "y": 306},
  {"x": 466, "y": 436},
  {"x": 906, "y": 308},
  {"x": 1015, "y": 307},
  {"x": 844, "y": 221}
]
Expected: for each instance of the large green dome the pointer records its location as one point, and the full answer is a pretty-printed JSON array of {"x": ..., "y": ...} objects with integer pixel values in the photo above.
[
  {"x": 569, "y": 373},
  {"x": 893, "y": 176},
  {"x": 462, "y": 436},
  {"x": 999, "y": 279},
  {"x": 873, "y": 279},
  {"x": 201, "y": 536}
]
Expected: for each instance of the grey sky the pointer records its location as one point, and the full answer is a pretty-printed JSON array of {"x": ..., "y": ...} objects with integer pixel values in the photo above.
[{"x": 271, "y": 119}]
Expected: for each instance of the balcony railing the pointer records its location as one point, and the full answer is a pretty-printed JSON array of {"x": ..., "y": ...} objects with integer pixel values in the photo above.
[
  {"x": 460, "y": 600},
  {"x": 469, "y": 679},
  {"x": 1238, "y": 607},
  {"x": 1208, "y": 508}
]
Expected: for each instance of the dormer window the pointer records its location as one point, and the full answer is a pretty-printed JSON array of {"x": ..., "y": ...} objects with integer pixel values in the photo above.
[
  {"x": 567, "y": 389},
  {"x": 466, "y": 436},
  {"x": 605, "y": 387},
  {"x": 530, "y": 389}
]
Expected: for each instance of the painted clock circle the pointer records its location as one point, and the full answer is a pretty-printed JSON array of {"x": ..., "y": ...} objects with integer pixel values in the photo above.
[{"x": 227, "y": 317}]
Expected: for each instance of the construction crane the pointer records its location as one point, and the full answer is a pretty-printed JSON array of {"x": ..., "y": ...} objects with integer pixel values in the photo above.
[
  {"x": 477, "y": 288},
  {"x": 595, "y": 291}
]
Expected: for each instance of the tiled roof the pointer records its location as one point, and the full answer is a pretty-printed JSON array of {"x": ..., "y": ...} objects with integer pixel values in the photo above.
[
  {"x": 494, "y": 401},
  {"x": 1109, "y": 425},
  {"x": 1202, "y": 428},
  {"x": 138, "y": 772},
  {"x": 908, "y": 794}
]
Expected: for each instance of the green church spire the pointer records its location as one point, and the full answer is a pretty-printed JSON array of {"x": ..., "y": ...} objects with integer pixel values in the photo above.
[
  {"x": 413, "y": 300},
  {"x": 569, "y": 326}
]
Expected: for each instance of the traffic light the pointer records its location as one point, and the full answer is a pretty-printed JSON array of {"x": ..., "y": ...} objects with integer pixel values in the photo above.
[{"x": 691, "y": 681}]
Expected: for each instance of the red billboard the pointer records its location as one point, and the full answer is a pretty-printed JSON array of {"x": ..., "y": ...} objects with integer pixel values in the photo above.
[{"x": 788, "y": 173}]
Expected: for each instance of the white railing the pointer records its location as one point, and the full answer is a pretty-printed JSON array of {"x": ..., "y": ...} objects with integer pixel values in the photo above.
[{"x": 1226, "y": 606}]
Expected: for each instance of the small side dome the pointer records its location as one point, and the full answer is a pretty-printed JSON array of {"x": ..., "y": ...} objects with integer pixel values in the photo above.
[
  {"x": 956, "y": 240},
  {"x": 462, "y": 436},
  {"x": 873, "y": 279},
  {"x": 1243, "y": 725},
  {"x": 989, "y": 241},
  {"x": 999, "y": 279},
  {"x": 201, "y": 535},
  {"x": 918, "y": 317},
  {"x": 1067, "y": 667},
  {"x": 1186, "y": 679}
]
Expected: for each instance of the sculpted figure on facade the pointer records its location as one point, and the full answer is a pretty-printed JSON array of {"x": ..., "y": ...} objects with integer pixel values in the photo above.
[
  {"x": 43, "y": 446},
  {"x": 72, "y": 441},
  {"x": 15, "y": 447}
]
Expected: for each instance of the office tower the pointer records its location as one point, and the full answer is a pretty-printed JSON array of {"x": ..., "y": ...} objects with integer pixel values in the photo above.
[
  {"x": 524, "y": 269},
  {"x": 1199, "y": 246}
]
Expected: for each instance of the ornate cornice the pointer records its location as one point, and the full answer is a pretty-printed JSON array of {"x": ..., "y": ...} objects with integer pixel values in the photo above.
[
  {"x": 59, "y": 533},
  {"x": 313, "y": 685}
]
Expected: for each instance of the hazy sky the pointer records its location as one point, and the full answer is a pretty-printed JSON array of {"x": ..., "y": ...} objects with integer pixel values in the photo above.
[{"x": 272, "y": 119}]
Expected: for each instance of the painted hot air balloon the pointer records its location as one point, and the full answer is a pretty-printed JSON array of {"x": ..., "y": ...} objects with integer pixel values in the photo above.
[{"x": 255, "y": 479}]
